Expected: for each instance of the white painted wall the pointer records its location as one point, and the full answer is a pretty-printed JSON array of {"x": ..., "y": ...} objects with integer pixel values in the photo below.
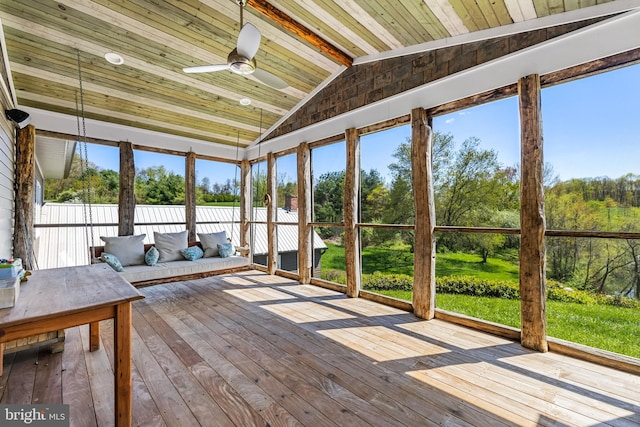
[
  {"x": 7, "y": 153},
  {"x": 7, "y": 136}
]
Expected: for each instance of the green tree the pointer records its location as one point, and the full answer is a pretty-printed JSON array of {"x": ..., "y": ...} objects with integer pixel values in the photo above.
[
  {"x": 401, "y": 190},
  {"x": 103, "y": 184},
  {"x": 205, "y": 185},
  {"x": 328, "y": 202},
  {"x": 372, "y": 191},
  {"x": 259, "y": 185},
  {"x": 567, "y": 212},
  {"x": 109, "y": 188},
  {"x": 328, "y": 197},
  {"x": 469, "y": 186},
  {"x": 375, "y": 204},
  {"x": 156, "y": 186}
]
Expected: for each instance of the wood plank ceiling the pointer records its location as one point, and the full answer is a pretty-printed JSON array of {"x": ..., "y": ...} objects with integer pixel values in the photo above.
[{"x": 158, "y": 38}]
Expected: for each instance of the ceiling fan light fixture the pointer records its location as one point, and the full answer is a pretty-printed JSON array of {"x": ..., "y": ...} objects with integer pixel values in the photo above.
[
  {"x": 114, "y": 58},
  {"x": 239, "y": 64}
]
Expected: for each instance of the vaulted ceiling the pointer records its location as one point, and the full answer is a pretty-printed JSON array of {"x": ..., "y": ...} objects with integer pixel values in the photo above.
[{"x": 304, "y": 42}]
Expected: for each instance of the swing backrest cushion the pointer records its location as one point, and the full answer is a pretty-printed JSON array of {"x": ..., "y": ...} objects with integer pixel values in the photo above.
[
  {"x": 210, "y": 242},
  {"x": 170, "y": 244},
  {"x": 128, "y": 249}
]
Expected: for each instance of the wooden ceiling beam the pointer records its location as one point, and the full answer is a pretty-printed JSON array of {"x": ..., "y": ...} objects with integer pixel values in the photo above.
[{"x": 298, "y": 29}]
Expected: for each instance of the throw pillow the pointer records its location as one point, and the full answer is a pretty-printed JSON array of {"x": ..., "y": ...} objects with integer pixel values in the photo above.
[
  {"x": 152, "y": 256},
  {"x": 225, "y": 250},
  {"x": 192, "y": 253},
  {"x": 169, "y": 245},
  {"x": 210, "y": 242},
  {"x": 128, "y": 249},
  {"x": 112, "y": 261}
]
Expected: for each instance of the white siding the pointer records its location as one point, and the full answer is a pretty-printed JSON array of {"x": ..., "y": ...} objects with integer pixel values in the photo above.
[{"x": 7, "y": 137}]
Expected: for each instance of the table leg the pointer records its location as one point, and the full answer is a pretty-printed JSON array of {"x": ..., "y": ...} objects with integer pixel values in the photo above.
[
  {"x": 94, "y": 336},
  {"x": 1, "y": 358},
  {"x": 122, "y": 364}
]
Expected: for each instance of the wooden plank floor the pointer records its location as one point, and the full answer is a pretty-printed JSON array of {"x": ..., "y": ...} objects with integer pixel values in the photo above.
[{"x": 251, "y": 349}]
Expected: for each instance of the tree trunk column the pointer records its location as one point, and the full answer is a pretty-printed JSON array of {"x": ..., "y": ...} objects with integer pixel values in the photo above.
[
  {"x": 351, "y": 203},
  {"x": 424, "y": 276},
  {"x": 24, "y": 197},
  {"x": 272, "y": 206},
  {"x": 245, "y": 204},
  {"x": 305, "y": 245},
  {"x": 532, "y": 219},
  {"x": 190, "y": 194},
  {"x": 126, "y": 197}
]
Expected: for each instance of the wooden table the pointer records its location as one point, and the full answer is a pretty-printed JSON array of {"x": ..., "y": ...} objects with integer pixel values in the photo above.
[{"x": 71, "y": 296}]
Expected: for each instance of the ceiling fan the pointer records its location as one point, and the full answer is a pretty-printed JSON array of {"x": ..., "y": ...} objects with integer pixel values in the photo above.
[{"x": 241, "y": 59}]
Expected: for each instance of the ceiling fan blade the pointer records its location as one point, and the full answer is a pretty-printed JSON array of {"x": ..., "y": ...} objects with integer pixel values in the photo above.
[
  {"x": 270, "y": 79},
  {"x": 206, "y": 68},
  {"x": 248, "y": 41}
]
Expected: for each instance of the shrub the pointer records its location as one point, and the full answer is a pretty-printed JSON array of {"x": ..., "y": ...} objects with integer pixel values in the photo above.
[
  {"x": 387, "y": 282},
  {"x": 469, "y": 285},
  {"x": 336, "y": 276}
]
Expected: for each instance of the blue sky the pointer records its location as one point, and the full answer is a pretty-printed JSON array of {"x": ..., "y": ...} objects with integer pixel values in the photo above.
[{"x": 591, "y": 128}]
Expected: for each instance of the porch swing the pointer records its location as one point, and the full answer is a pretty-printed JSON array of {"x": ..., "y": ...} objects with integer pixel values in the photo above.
[{"x": 145, "y": 274}]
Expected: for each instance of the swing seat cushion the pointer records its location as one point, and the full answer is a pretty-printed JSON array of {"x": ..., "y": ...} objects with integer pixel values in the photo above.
[
  {"x": 175, "y": 269},
  {"x": 171, "y": 271}
]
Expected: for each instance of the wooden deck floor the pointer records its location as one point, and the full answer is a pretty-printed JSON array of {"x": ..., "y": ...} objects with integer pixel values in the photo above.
[{"x": 251, "y": 349}]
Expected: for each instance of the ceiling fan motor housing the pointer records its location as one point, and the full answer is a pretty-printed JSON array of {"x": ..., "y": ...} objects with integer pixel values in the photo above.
[{"x": 240, "y": 64}]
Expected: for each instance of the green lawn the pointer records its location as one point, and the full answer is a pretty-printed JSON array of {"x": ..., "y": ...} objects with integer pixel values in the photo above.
[
  {"x": 397, "y": 259},
  {"x": 461, "y": 264},
  {"x": 333, "y": 257}
]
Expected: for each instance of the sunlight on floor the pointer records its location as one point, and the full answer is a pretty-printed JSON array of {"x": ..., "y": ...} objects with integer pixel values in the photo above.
[
  {"x": 238, "y": 280},
  {"x": 381, "y": 343},
  {"x": 272, "y": 280},
  {"x": 306, "y": 312},
  {"x": 487, "y": 386},
  {"x": 259, "y": 294},
  {"x": 366, "y": 308},
  {"x": 311, "y": 291},
  {"x": 454, "y": 335}
]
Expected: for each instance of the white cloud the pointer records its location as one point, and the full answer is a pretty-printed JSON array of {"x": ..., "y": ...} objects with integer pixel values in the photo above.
[{"x": 449, "y": 121}]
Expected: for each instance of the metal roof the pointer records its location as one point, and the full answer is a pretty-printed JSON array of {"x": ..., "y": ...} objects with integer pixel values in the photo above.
[{"x": 65, "y": 242}]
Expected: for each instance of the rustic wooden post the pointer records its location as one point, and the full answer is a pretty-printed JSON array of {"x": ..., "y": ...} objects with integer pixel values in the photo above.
[
  {"x": 127, "y": 197},
  {"x": 424, "y": 264},
  {"x": 272, "y": 206},
  {"x": 24, "y": 196},
  {"x": 245, "y": 204},
  {"x": 190, "y": 194},
  {"x": 532, "y": 220},
  {"x": 351, "y": 204},
  {"x": 305, "y": 246}
]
